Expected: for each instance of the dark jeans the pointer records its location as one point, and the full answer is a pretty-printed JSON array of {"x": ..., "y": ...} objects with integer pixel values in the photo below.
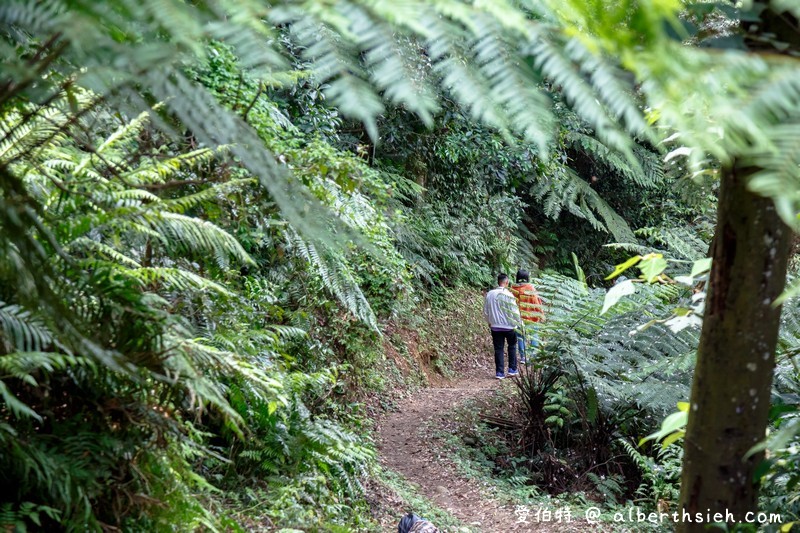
[{"x": 499, "y": 339}]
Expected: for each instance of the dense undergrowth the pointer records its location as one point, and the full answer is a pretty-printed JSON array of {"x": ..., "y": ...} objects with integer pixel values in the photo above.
[
  {"x": 182, "y": 346},
  {"x": 232, "y": 349},
  {"x": 573, "y": 424},
  {"x": 595, "y": 387}
]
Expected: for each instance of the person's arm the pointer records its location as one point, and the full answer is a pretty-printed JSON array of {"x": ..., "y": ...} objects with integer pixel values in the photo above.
[{"x": 511, "y": 309}]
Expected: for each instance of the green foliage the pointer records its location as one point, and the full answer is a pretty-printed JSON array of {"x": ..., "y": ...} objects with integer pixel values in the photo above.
[
  {"x": 352, "y": 52},
  {"x": 457, "y": 215},
  {"x": 27, "y": 513},
  {"x": 481, "y": 450},
  {"x": 467, "y": 247},
  {"x": 303, "y": 458},
  {"x": 610, "y": 488},
  {"x": 564, "y": 189},
  {"x": 596, "y": 381},
  {"x": 732, "y": 99},
  {"x": 512, "y": 191},
  {"x": 603, "y": 381},
  {"x": 108, "y": 251},
  {"x": 360, "y": 265},
  {"x": 610, "y": 352},
  {"x": 661, "y": 475},
  {"x": 145, "y": 246},
  {"x": 198, "y": 251},
  {"x": 779, "y": 472}
]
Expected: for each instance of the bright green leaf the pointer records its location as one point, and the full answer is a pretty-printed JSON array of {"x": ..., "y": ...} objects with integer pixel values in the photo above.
[
  {"x": 673, "y": 423},
  {"x": 652, "y": 266},
  {"x": 622, "y": 267},
  {"x": 700, "y": 266},
  {"x": 669, "y": 439}
]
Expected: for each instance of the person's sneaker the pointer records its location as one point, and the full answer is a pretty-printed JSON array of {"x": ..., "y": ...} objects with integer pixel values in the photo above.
[
  {"x": 523, "y": 362},
  {"x": 499, "y": 375},
  {"x": 511, "y": 373}
]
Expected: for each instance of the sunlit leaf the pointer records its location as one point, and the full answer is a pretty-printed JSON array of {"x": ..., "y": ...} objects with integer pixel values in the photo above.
[
  {"x": 615, "y": 293},
  {"x": 622, "y": 267},
  {"x": 652, "y": 266}
]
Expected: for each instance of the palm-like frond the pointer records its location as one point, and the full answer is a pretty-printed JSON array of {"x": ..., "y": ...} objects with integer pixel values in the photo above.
[
  {"x": 21, "y": 330},
  {"x": 136, "y": 278},
  {"x": 624, "y": 363},
  {"x": 336, "y": 275},
  {"x": 491, "y": 60},
  {"x": 725, "y": 104},
  {"x": 647, "y": 173},
  {"x": 565, "y": 190}
]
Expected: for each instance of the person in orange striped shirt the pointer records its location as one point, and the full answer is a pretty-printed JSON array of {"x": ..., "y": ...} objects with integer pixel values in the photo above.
[{"x": 532, "y": 311}]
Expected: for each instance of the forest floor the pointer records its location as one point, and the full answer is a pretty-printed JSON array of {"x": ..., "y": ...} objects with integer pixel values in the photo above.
[
  {"x": 441, "y": 372},
  {"x": 408, "y": 445}
]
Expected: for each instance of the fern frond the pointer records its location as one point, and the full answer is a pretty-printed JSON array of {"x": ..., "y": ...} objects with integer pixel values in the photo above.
[
  {"x": 333, "y": 63},
  {"x": 22, "y": 364},
  {"x": 161, "y": 170},
  {"x": 15, "y": 406},
  {"x": 581, "y": 95},
  {"x": 622, "y": 362},
  {"x": 22, "y": 330},
  {"x": 124, "y": 133},
  {"x": 336, "y": 276},
  {"x": 393, "y": 65},
  {"x": 177, "y": 279},
  {"x": 617, "y": 162},
  {"x": 209, "y": 194},
  {"x": 566, "y": 190},
  {"x": 192, "y": 235},
  {"x": 678, "y": 242}
]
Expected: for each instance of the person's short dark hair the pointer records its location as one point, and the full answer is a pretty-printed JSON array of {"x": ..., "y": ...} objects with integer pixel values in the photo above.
[
  {"x": 501, "y": 278},
  {"x": 523, "y": 275}
]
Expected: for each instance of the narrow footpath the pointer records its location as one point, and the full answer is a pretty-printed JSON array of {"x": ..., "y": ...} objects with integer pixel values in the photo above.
[{"x": 404, "y": 448}]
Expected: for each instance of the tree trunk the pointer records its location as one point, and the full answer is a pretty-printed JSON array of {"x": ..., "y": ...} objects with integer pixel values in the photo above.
[{"x": 730, "y": 396}]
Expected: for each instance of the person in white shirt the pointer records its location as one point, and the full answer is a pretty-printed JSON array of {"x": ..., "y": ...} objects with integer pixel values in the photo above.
[{"x": 501, "y": 312}]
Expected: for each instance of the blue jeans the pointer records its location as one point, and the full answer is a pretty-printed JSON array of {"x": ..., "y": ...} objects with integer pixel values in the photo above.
[{"x": 533, "y": 342}]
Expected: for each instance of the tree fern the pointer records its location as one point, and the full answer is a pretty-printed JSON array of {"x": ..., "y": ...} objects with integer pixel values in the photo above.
[
  {"x": 742, "y": 104},
  {"x": 480, "y": 56},
  {"x": 190, "y": 234},
  {"x": 565, "y": 190},
  {"x": 21, "y": 330},
  {"x": 115, "y": 267},
  {"x": 622, "y": 362},
  {"x": 649, "y": 174},
  {"x": 336, "y": 275},
  {"x": 678, "y": 242},
  {"x": 117, "y": 257}
]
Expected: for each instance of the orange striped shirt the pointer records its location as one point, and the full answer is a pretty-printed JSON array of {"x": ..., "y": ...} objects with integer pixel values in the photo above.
[{"x": 530, "y": 305}]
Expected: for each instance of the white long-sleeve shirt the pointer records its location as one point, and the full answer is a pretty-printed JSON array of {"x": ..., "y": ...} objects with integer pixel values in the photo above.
[{"x": 500, "y": 309}]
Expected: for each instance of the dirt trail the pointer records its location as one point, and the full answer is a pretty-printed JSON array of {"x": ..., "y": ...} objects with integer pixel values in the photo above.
[{"x": 421, "y": 459}]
